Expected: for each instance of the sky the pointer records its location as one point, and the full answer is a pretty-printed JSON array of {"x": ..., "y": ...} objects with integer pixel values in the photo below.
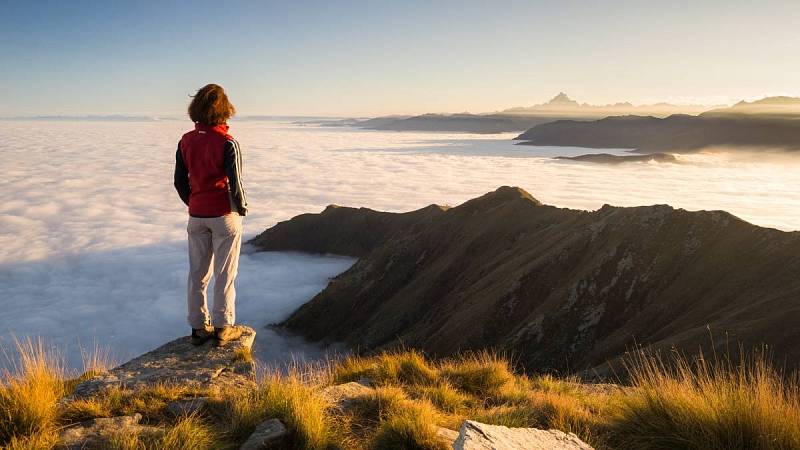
[{"x": 350, "y": 58}]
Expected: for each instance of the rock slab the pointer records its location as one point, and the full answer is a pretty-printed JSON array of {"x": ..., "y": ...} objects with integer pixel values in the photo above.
[
  {"x": 478, "y": 436},
  {"x": 180, "y": 362},
  {"x": 266, "y": 433},
  {"x": 343, "y": 395},
  {"x": 92, "y": 433}
]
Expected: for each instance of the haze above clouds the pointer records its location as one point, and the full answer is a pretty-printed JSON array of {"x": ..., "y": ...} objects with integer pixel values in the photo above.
[{"x": 373, "y": 58}]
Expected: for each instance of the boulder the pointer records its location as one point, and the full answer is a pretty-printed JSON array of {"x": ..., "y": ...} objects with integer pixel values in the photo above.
[
  {"x": 479, "y": 436},
  {"x": 92, "y": 433},
  {"x": 179, "y": 362},
  {"x": 266, "y": 433}
]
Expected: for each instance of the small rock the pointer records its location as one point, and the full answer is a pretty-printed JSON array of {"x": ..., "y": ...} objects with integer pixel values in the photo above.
[
  {"x": 342, "y": 395},
  {"x": 91, "y": 434},
  {"x": 187, "y": 407},
  {"x": 479, "y": 436},
  {"x": 266, "y": 433}
]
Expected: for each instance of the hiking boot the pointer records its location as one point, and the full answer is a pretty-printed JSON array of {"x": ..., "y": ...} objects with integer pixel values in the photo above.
[
  {"x": 224, "y": 335},
  {"x": 201, "y": 335}
]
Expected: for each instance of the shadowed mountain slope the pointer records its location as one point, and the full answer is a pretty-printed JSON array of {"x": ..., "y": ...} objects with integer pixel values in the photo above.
[
  {"x": 559, "y": 289},
  {"x": 674, "y": 133}
]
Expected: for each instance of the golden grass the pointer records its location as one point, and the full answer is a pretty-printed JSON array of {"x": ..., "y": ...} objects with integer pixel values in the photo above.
[
  {"x": 44, "y": 440},
  {"x": 444, "y": 396},
  {"x": 243, "y": 354},
  {"x": 298, "y": 404},
  {"x": 682, "y": 404},
  {"x": 149, "y": 401},
  {"x": 398, "y": 367},
  {"x": 301, "y": 408},
  {"x": 481, "y": 374},
  {"x": 189, "y": 433},
  {"x": 707, "y": 404},
  {"x": 409, "y": 429},
  {"x": 28, "y": 394},
  {"x": 122, "y": 440}
]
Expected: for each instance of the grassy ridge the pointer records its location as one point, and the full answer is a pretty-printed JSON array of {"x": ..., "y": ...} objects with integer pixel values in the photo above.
[{"x": 678, "y": 404}]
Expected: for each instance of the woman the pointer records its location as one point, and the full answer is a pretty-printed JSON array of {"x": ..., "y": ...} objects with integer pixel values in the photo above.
[{"x": 208, "y": 166}]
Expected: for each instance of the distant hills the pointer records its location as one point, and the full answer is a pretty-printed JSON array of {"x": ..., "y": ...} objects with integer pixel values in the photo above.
[
  {"x": 558, "y": 289},
  {"x": 661, "y": 127},
  {"x": 516, "y": 119},
  {"x": 562, "y": 104},
  {"x": 769, "y": 123},
  {"x": 774, "y": 107}
]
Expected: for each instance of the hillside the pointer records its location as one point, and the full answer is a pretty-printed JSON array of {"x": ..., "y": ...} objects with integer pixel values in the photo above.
[
  {"x": 559, "y": 289},
  {"x": 461, "y": 122},
  {"x": 676, "y": 133}
]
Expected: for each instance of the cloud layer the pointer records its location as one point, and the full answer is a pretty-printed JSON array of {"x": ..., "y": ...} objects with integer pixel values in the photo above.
[{"x": 92, "y": 235}]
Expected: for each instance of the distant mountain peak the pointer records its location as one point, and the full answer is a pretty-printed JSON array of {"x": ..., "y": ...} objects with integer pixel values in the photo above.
[
  {"x": 561, "y": 99},
  {"x": 504, "y": 194},
  {"x": 562, "y": 104}
]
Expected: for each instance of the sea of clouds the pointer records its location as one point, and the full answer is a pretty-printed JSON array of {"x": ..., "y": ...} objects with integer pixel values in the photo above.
[{"x": 92, "y": 234}]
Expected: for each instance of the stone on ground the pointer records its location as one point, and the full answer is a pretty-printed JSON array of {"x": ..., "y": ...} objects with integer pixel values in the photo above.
[
  {"x": 342, "y": 395},
  {"x": 92, "y": 433},
  {"x": 266, "y": 433},
  {"x": 479, "y": 436},
  {"x": 181, "y": 363}
]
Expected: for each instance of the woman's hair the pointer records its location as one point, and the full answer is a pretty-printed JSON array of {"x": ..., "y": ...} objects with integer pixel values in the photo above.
[{"x": 210, "y": 106}]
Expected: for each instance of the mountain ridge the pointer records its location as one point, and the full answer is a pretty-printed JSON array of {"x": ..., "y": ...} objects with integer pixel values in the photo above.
[{"x": 560, "y": 289}]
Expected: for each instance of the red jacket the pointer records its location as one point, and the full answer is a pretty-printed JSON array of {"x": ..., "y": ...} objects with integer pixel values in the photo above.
[{"x": 208, "y": 172}]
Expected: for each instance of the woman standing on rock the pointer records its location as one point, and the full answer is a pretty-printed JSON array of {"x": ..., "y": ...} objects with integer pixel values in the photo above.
[{"x": 208, "y": 167}]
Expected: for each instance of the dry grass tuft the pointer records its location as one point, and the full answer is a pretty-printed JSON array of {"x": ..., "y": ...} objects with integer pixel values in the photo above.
[
  {"x": 289, "y": 398},
  {"x": 28, "y": 394},
  {"x": 709, "y": 405},
  {"x": 408, "y": 367},
  {"x": 243, "y": 354},
  {"x": 685, "y": 404},
  {"x": 482, "y": 374},
  {"x": 44, "y": 440},
  {"x": 353, "y": 368},
  {"x": 409, "y": 429},
  {"x": 189, "y": 433},
  {"x": 378, "y": 405},
  {"x": 445, "y": 397},
  {"x": 149, "y": 401},
  {"x": 121, "y": 440},
  {"x": 300, "y": 407}
]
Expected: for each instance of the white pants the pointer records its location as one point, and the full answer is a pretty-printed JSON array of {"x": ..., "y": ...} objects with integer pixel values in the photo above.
[{"x": 217, "y": 239}]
